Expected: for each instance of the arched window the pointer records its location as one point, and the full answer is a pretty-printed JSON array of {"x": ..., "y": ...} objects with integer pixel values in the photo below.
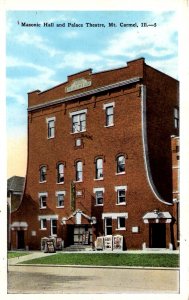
[
  {"x": 43, "y": 173},
  {"x": 79, "y": 171},
  {"x": 60, "y": 173},
  {"x": 99, "y": 168},
  {"x": 121, "y": 164}
]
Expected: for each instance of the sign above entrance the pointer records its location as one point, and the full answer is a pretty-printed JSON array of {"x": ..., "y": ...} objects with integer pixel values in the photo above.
[{"x": 78, "y": 84}]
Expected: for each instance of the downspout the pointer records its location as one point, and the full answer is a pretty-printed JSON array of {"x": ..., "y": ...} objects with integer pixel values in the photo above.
[{"x": 145, "y": 147}]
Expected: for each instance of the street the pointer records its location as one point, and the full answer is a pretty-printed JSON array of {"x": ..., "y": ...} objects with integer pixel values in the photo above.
[{"x": 72, "y": 280}]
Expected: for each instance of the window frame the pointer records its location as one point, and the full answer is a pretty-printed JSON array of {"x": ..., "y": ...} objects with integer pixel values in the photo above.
[
  {"x": 42, "y": 227},
  {"x": 118, "y": 165},
  {"x": 176, "y": 117},
  {"x": 119, "y": 189},
  {"x": 52, "y": 227},
  {"x": 97, "y": 169},
  {"x": 50, "y": 130},
  {"x": 41, "y": 201},
  {"x": 78, "y": 171},
  {"x": 99, "y": 190},
  {"x": 78, "y": 114},
  {"x": 59, "y": 173},
  {"x": 108, "y": 116},
  {"x": 119, "y": 227},
  {"x": 57, "y": 194},
  {"x": 106, "y": 227},
  {"x": 43, "y": 175}
]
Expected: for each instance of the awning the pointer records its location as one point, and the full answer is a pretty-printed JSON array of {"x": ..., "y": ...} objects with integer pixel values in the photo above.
[
  {"x": 157, "y": 216},
  {"x": 19, "y": 224}
]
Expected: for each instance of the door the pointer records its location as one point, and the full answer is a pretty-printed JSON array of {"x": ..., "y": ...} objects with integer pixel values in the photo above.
[
  {"x": 20, "y": 239},
  {"x": 158, "y": 235}
]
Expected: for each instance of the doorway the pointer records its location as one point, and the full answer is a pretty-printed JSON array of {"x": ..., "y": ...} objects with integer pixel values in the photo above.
[
  {"x": 157, "y": 235},
  {"x": 20, "y": 239}
]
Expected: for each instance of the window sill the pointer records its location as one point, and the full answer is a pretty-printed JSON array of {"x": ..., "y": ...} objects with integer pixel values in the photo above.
[
  {"x": 78, "y": 132},
  {"x": 43, "y": 181},
  {"x": 99, "y": 204},
  {"x": 60, "y": 183},
  {"x": 121, "y": 173},
  {"x": 43, "y": 207},
  {"x": 123, "y": 203},
  {"x": 97, "y": 179},
  {"x": 78, "y": 181},
  {"x": 124, "y": 228},
  {"x": 42, "y": 229},
  {"x": 107, "y": 126},
  {"x": 59, "y": 206},
  {"x": 50, "y": 137}
]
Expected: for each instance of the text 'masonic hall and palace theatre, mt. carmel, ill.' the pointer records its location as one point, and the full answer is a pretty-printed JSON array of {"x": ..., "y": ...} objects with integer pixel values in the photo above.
[{"x": 100, "y": 160}]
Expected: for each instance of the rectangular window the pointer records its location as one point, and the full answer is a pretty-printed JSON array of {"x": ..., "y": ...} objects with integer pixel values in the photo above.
[
  {"x": 109, "y": 116},
  {"x": 53, "y": 227},
  {"x": 43, "y": 201},
  {"x": 50, "y": 127},
  {"x": 99, "y": 197},
  {"x": 121, "y": 196},
  {"x": 60, "y": 200},
  {"x": 108, "y": 226},
  {"x": 79, "y": 123},
  {"x": 43, "y": 223},
  {"x": 79, "y": 171},
  {"x": 60, "y": 173},
  {"x": 176, "y": 117},
  {"x": 121, "y": 222},
  {"x": 99, "y": 168}
]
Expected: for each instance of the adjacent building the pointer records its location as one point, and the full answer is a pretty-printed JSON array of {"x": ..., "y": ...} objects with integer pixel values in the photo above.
[{"x": 100, "y": 160}]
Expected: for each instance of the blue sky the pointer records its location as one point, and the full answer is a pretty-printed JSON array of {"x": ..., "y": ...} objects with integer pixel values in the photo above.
[{"x": 41, "y": 57}]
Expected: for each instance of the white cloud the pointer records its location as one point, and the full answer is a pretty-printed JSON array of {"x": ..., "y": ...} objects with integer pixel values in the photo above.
[
  {"x": 38, "y": 42},
  {"x": 79, "y": 60}
]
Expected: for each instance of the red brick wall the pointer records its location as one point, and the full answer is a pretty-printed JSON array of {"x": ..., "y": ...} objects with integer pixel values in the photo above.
[{"x": 124, "y": 137}]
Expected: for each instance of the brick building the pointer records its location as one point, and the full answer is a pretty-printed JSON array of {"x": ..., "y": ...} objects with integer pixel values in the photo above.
[{"x": 99, "y": 159}]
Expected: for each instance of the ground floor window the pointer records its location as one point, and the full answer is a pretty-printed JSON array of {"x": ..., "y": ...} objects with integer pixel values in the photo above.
[
  {"x": 108, "y": 226},
  {"x": 43, "y": 224},
  {"x": 121, "y": 222},
  {"x": 53, "y": 227}
]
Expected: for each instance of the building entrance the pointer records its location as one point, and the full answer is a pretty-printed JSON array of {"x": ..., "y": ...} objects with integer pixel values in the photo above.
[
  {"x": 158, "y": 235},
  {"x": 20, "y": 239}
]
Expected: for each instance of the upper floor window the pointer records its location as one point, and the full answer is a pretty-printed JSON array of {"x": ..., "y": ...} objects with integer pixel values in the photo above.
[
  {"x": 78, "y": 121},
  {"x": 176, "y": 117},
  {"x": 121, "y": 194},
  {"x": 79, "y": 171},
  {"x": 120, "y": 164},
  {"x": 60, "y": 173},
  {"x": 99, "y": 168},
  {"x": 42, "y": 200},
  {"x": 121, "y": 222},
  {"x": 43, "y": 173},
  {"x": 50, "y": 127},
  {"x": 99, "y": 195},
  {"x": 60, "y": 198},
  {"x": 109, "y": 110}
]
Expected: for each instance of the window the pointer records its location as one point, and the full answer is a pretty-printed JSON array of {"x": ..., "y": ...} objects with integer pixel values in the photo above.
[
  {"x": 60, "y": 173},
  {"x": 120, "y": 164},
  {"x": 78, "y": 121},
  {"x": 99, "y": 168},
  {"x": 43, "y": 173},
  {"x": 176, "y": 117},
  {"x": 42, "y": 200},
  {"x": 99, "y": 195},
  {"x": 53, "y": 227},
  {"x": 108, "y": 226},
  {"x": 60, "y": 198},
  {"x": 121, "y": 194},
  {"x": 79, "y": 171},
  {"x": 50, "y": 127},
  {"x": 121, "y": 222},
  {"x": 43, "y": 224},
  {"x": 109, "y": 111}
]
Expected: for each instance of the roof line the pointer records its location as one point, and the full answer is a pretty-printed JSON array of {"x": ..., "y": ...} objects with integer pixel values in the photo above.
[{"x": 84, "y": 94}]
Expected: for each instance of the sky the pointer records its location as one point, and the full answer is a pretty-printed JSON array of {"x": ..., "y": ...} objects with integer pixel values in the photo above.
[{"x": 42, "y": 57}]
